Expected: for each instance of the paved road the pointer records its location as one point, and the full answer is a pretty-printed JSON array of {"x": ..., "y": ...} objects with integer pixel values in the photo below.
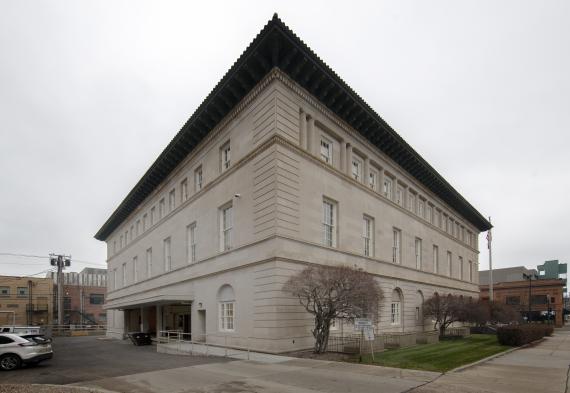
[
  {"x": 542, "y": 368},
  {"x": 86, "y": 358}
]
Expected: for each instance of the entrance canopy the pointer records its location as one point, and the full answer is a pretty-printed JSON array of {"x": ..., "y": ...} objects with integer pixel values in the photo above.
[{"x": 132, "y": 302}]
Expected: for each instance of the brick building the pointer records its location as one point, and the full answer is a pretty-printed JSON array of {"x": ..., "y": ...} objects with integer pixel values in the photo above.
[
  {"x": 83, "y": 296},
  {"x": 25, "y": 301},
  {"x": 545, "y": 295}
]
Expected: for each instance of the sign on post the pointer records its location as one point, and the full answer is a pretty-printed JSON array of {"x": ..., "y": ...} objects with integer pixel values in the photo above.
[{"x": 361, "y": 323}]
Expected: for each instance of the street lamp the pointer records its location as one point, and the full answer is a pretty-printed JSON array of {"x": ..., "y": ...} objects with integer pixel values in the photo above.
[{"x": 529, "y": 277}]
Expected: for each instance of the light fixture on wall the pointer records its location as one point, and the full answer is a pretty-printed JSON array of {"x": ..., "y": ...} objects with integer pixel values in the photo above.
[{"x": 199, "y": 305}]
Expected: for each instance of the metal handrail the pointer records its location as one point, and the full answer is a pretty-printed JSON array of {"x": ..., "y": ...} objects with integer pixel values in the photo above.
[{"x": 178, "y": 337}]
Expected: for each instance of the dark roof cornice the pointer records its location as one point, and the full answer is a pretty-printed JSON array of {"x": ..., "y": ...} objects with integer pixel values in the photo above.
[{"x": 277, "y": 46}]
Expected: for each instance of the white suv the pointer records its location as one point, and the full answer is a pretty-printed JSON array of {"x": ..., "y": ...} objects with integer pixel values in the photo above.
[{"x": 16, "y": 350}]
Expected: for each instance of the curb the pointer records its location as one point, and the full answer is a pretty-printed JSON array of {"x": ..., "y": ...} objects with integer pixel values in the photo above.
[
  {"x": 480, "y": 361},
  {"x": 56, "y": 388}
]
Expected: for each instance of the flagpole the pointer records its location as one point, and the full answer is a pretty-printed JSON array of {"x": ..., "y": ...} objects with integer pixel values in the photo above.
[{"x": 489, "y": 239}]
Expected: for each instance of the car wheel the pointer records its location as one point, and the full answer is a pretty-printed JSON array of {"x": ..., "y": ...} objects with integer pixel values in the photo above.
[{"x": 10, "y": 362}]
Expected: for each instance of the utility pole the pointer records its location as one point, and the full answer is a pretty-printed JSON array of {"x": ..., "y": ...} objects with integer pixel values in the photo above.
[
  {"x": 30, "y": 311},
  {"x": 60, "y": 261},
  {"x": 489, "y": 240}
]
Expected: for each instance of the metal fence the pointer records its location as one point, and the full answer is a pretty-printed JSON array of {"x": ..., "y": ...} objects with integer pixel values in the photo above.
[{"x": 344, "y": 344}]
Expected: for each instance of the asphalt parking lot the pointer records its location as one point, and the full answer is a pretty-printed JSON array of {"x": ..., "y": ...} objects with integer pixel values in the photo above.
[{"x": 78, "y": 359}]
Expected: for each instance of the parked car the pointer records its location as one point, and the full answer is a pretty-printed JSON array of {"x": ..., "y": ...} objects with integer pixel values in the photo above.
[{"x": 16, "y": 350}]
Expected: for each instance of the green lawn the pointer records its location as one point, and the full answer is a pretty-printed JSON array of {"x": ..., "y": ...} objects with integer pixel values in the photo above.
[{"x": 443, "y": 356}]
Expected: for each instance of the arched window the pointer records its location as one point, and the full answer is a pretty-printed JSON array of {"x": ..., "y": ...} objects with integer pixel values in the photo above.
[
  {"x": 396, "y": 307},
  {"x": 226, "y": 307}
]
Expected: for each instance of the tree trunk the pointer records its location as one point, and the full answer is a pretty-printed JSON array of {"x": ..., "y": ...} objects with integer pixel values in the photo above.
[{"x": 321, "y": 334}]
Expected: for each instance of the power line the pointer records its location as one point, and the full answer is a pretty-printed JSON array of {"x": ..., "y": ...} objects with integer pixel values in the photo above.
[{"x": 12, "y": 254}]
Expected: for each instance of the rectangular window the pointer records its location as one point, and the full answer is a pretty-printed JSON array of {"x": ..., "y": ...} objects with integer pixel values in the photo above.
[
  {"x": 470, "y": 271},
  {"x": 172, "y": 200},
  {"x": 513, "y": 300},
  {"x": 149, "y": 262},
  {"x": 429, "y": 214},
  {"x": 183, "y": 190},
  {"x": 144, "y": 222},
  {"x": 167, "y": 254},
  {"x": 539, "y": 299},
  {"x": 400, "y": 195},
  {"x": 329, "y": 223},
  {"x": 421, "y": 205},
  {"x": 227, "y": 316},
  {"x": 226, "y": 227},
  {"x": 161, "y": 208},
  {"x": 418, "y": 253},
  {"x": 198, "y": 179},
  {"x": 138, "y": 227},
  {"x": 387, "y": 187},
  {"x": 395, "y": 313},
  {"x": 449, "y": 265},
  {"x": 114, "y": 278},
  {"x": 96, "y": 298},
  {"x": 412, "y": 203},
  {"x": 396, "y": 249},
  {"x": 124, "y": 271},
  {"x": 373, "y": 180},
  {"x": 152, "y": 215},
  {"x": 135, "y": 269},
  {"x": 114, "y": 246},
  {"x": 326, "y": 151},
  {"x": 225, "y": 157},
  {"x": 367, "y": 236},
  {"x": 132, "y": 233},
  {"x": 22, "y": 291},
  {"x": 460, "y": 267},
  {"x": 4, "y": 291},
  {"x": 435, "y": 259},
  {"x": 191, "y": 242},
  {"x": 356, "y": 170},
  {"x": 126, "y": 238}
]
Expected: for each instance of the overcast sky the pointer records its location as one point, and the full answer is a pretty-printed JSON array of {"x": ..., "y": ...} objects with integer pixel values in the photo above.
[{"x": 92, "y": 91}]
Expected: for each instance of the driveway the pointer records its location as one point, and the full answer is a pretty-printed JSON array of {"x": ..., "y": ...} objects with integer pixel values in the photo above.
[
  {"x": 290, "y": 375},
  {"x": 79, "y": 359}
]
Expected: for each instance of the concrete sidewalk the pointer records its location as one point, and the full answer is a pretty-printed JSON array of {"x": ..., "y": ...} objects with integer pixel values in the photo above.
[
  {"x": 540, "y": 368},
  {"x": 297, "y": 375}
]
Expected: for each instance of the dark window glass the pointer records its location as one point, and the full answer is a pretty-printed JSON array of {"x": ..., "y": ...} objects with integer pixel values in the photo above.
[
  {"x": 539, "y": 299},
  {"x": 96, "y": 298},
  {"x": 513, "y": 300},
  {"x": 5, "y": 340}
]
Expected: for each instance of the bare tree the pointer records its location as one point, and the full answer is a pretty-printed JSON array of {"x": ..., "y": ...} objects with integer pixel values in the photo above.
[
  {"x": 445, "y": 310},
  {"x": 333, "y": 293},
  {"x": 483, "y": 312}
]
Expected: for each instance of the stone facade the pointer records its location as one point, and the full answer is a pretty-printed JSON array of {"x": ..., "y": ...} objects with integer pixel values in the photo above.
[{"x": 279, "y": 182}]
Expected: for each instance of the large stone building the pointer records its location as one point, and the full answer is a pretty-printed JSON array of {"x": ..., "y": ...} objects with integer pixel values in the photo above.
[
  {"x": 281, "y": 166},
  {"x": 25, "y": 301}
]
